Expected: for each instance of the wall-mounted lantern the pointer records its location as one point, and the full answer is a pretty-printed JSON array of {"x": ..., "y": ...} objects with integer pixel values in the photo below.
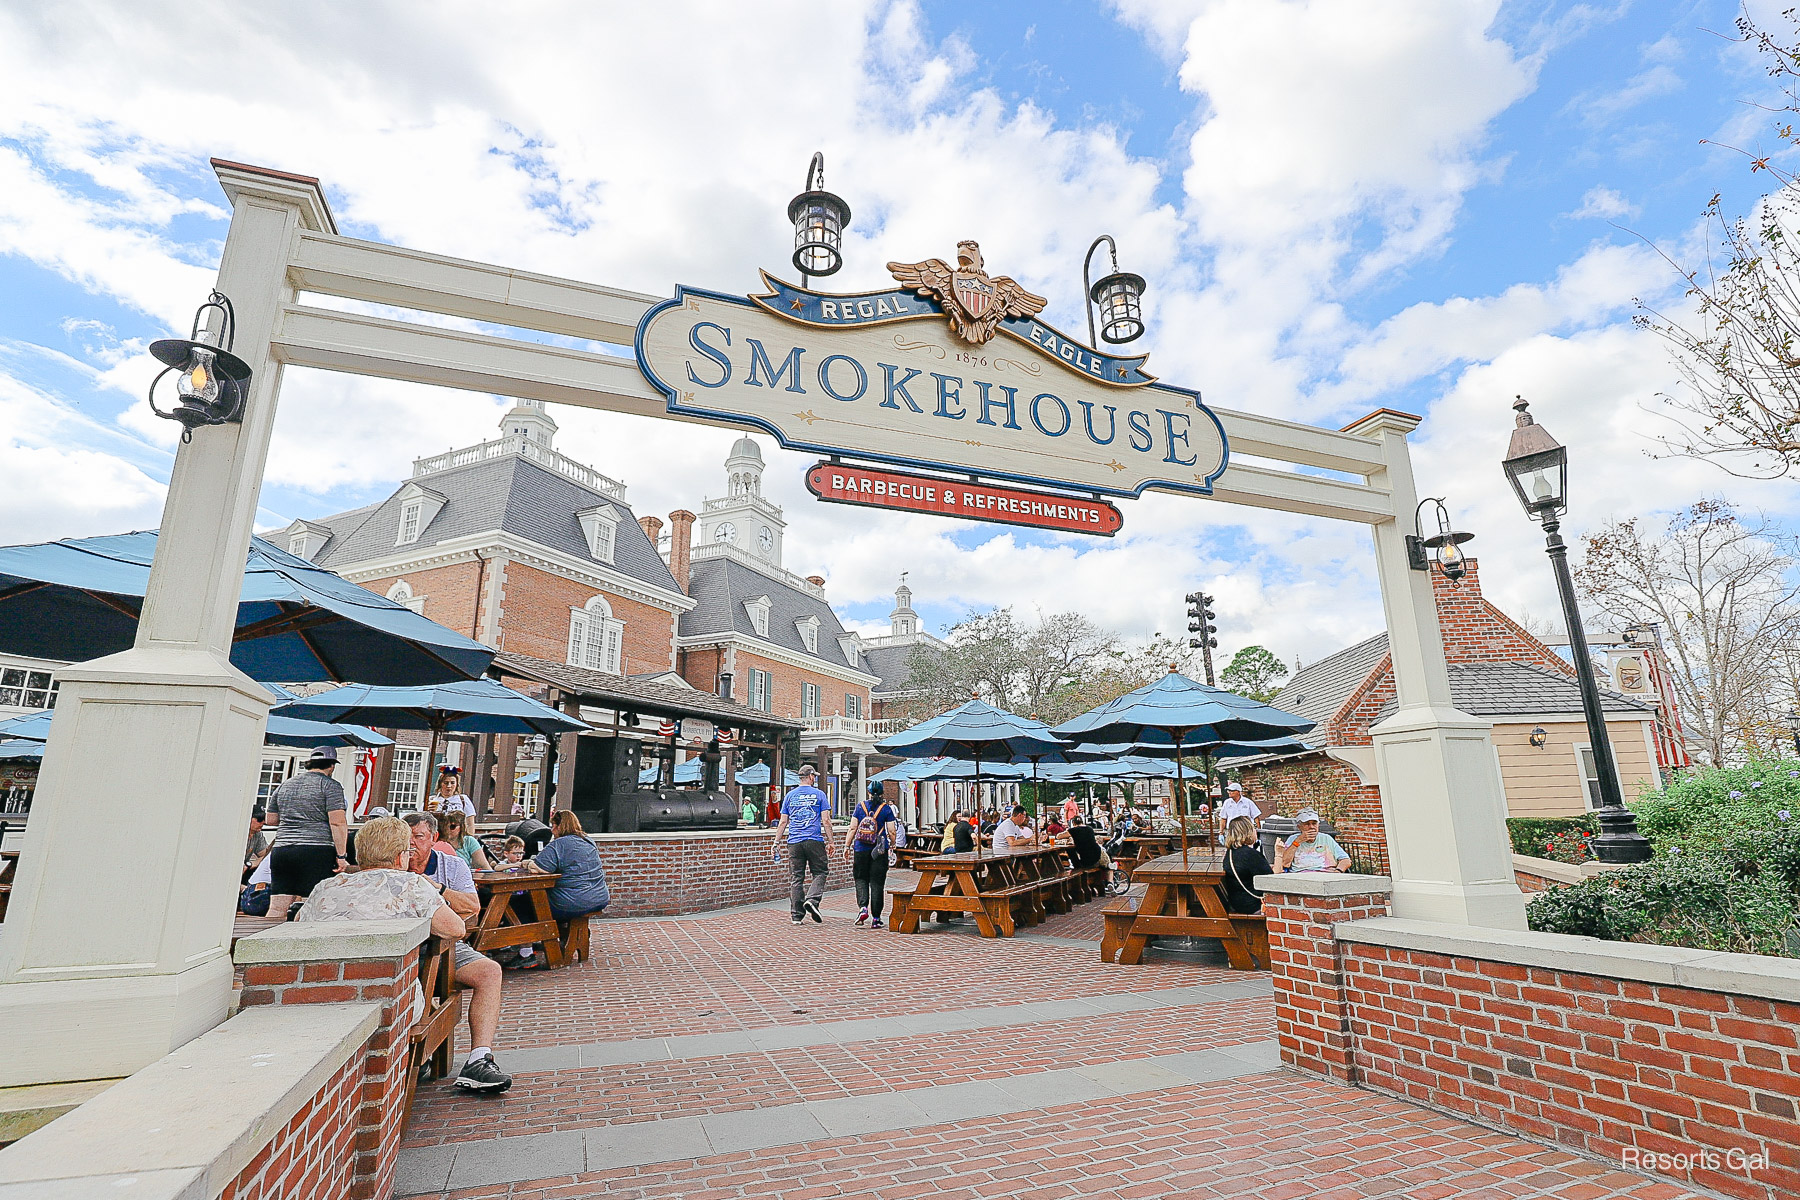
[
  {"x": 1539, "y": 737},
  {"x": 1117, "y": 296},
  {"x": 820, "y": 218},
  {"x": 211, "y": 383},
  {"x": 1446, "y": 543}
]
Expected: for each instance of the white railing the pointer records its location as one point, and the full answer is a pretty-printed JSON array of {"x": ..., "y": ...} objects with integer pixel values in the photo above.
[
  {"x": 856, "y": 727},
  {"x": 739, "y": 554},
  {"x": 523, "y": 446},
  {"x": 715, "y": 503}
]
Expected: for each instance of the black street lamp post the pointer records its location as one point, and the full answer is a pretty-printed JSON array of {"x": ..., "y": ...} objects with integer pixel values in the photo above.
[
  {"x": 1537, "y": 466},
  {"x": 1793, "y": 724}
]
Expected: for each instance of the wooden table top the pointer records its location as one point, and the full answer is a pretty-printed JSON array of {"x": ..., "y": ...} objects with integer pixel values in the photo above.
[
  {"x": 517, "y": 880},
  {"x": 1202, "y": 864},
  {"x": 971, "y": 857}
]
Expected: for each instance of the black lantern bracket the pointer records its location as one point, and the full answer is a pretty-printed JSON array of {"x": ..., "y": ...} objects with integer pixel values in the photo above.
[
  {"x": 1118, "y": 296},
  {"x": 211, "y": 383},
  {"x": 820, "y": 218},
  {"x": 1445, "y": 544}
]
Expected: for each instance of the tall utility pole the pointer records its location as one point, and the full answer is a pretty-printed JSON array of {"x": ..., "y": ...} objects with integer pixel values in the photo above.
[{"x": 1200, "y": 621}]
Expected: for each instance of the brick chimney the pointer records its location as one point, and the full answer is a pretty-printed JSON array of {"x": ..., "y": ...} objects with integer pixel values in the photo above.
[
  {"x": 681, "y": 545},
  {"x": 1475, "y": 631},
  {"x": 817, "y": 581},
  {"x": 652, "y": 527}
]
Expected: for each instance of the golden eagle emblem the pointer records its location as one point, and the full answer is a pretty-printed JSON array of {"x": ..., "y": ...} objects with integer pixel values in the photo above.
[{"x": 975, "y": 302}]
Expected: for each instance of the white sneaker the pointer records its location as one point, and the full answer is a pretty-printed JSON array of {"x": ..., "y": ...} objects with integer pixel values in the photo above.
[{"x": 862, "y": 918}]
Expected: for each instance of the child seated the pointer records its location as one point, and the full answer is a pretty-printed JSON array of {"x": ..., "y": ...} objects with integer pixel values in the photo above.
[{"x": 514, "y": 849}]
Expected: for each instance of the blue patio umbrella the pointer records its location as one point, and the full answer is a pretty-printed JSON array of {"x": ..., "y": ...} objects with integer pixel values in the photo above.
[
  {"x": 22, "y": 749},
  {"x": 32, "y": 726},
  {"x": 757, "y": 775},
  {"x": 1184, "y": 715},
  {"x": 79, "y": 599},
  {"x": 975, "y": 730},
  {"x": 466, "y": 706},
  {"x": 300, "y": 733}
]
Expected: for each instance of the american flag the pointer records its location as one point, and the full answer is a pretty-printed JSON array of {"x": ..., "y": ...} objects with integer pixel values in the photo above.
[{"x": 667, "y": 729}]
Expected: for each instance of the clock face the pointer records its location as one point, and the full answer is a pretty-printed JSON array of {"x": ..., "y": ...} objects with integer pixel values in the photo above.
[
  {"x": 765, "y": 537},
  {"x": 726, "y": 532}
]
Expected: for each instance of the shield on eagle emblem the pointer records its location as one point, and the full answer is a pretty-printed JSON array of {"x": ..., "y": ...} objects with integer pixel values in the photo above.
[{"x": 974, "y": 292}]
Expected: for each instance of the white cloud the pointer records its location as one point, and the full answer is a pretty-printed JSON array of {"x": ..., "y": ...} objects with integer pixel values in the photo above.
[{"x": 1604, "y": 204}]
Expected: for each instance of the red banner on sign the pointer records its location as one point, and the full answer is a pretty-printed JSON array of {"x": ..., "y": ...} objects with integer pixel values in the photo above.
[{"x": 880, "y": 488}]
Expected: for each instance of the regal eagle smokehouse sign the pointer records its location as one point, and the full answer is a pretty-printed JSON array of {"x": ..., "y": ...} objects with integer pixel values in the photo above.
[{"x": 949, "y": 371}]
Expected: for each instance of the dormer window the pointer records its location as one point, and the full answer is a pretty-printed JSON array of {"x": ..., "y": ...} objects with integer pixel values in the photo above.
[
  {"x": 418, "y": 507},
  {"x": 601, "y": 527},
  {"x": 809, "y": 634},
  {"x": 759, "y": 615},
  {"x": 851, "y": 645},
  {"x": 409, "y": 522},
  {"x": 297, "y": 545}
]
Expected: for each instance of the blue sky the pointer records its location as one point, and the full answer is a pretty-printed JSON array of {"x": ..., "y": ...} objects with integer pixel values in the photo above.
[{"x": 1340, "y": 205}]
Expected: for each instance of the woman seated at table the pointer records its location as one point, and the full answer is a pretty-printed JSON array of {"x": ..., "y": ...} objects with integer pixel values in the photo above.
[
  {"x": 1243, "y": 863},
  {"x": 582, "y": 888},
  {"x": 453, "y": 829}
]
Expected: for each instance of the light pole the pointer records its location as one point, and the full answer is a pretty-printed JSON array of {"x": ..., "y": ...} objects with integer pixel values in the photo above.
[
  {"x": 1537, "y": 466},
  {"x": 1793, "y": 724}
]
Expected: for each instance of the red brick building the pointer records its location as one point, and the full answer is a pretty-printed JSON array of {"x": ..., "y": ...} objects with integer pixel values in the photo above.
[{"x": 525, "y": 549}]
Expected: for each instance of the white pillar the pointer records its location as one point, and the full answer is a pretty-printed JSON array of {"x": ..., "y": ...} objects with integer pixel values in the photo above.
[
  {"x": 116, "y": 945},
  {"x": 1442, "y": 801},
  {"x": 862, "y": 779}
]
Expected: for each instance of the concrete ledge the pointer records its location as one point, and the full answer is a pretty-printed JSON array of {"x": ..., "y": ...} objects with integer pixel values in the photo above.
[
  {"x": 1548, "y": 868},
  {"x": 1323, "y": 883},
  {"x": 1704, "y": 970},
  {"x": 188, "y": 1123},
  {"x": 29, "y": 1108},
  {"x": 330, "y": 941}
]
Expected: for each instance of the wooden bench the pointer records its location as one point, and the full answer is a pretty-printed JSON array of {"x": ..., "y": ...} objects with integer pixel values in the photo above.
[
  {"x": 899, "y": 904},
  {"x": 433, "y": 1036},
  {"x": 1253, "y": 928},
  {"x": 1119, "y": 915},
  {"x": 575, "y": 939}
]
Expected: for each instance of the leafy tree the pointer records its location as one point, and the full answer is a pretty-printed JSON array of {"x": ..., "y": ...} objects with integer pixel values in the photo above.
[
  {"x": 1253, "y": 672},
  {"x": 1719, "y": 588},
  {"x": 1024, "y": 668}
]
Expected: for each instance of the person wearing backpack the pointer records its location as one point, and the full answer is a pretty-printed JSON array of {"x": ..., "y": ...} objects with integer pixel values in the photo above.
[{"x": 874, "y": 827}]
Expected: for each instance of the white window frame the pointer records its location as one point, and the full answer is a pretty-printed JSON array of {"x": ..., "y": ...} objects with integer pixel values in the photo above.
[
  {"x": 27, "y": 688},
  {"x": 809, "y": 699},
  {"x": 412, "y": 514},
  {"x": 853, "y": 706},
  {"x": 596, "y": 638},
  {"x": 297, "y": 545},
  {"x": 760, "y": 691},
  {"x": 600, "y": 525},
  {"x": 809, "y": 634},
  {"x": 1590, "y": 784},
  {"x": 402, "y": 593},
  {"x": 272, "y": 774},
  {"x": 759, "y": 615},
  {"x": 406, "y": 779}
]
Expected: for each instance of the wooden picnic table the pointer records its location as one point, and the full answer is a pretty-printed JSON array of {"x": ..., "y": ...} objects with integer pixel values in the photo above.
[
  {"x": 1142, "y": 847},
  {"x": 1183, "y": 899},
  {"x": 500, "y": 926},
  {"x": 1000, "y": 890}
]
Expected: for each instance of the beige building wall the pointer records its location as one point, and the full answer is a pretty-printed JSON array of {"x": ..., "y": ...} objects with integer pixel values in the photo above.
[{"x": 1546, "y": 781}]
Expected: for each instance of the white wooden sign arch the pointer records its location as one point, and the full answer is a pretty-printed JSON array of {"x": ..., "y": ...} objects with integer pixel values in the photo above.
[{"x": 91, "y": 999}]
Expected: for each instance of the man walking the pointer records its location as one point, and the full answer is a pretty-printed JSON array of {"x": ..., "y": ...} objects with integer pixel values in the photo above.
[{"x": 806, "y": 828}]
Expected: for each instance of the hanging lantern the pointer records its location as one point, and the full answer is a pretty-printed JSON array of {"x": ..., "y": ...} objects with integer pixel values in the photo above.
[
  {"x": 1537, "y": 466},
  {"x": 211, "y": 383},
  {"x": 1117, "y": 296},
  {"x": 1446, "y": 542},
  {"x": 820, "y": 218}
]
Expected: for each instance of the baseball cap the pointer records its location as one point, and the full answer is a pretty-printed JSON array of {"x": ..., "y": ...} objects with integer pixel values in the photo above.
[
  {"x": 808, "y": 769},
  {"x": 1305, "y": 815},
  {"x": 1234, "y": 786},
  {"x": 323, "y": 754}
]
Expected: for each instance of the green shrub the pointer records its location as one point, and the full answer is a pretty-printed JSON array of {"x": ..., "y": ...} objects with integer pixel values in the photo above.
[
  {"x": 1737, "y": 894},
  {"x": 1529, "y": 834},
  {"x": 1708, "y": 806}
]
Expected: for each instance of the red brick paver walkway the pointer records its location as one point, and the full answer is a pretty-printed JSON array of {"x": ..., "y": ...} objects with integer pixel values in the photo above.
[{"x": 1270, "y": 1134}]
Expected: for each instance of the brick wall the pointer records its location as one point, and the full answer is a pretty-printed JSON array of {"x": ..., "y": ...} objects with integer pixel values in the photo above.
[
  {"x": 374, "y": 1125},
  {"x": 1476, "y": 631},
  {"x": 313, "y": 1154},
  {"x": 534, "y": 620},
  {"x": 449, "y": 593},
  {"x": 1316, "y": 781},
  {"x": 666, "y": 876},
  {"x": 1672, "y": 1061},
  {"x": 1312, "y": 1021},
  {"x": 700, "y": 666},
  {"x": 787, "y": 681}
]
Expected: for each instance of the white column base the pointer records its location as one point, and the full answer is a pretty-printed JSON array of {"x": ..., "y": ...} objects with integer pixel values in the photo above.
[
  {"x": 1445, "y": 812},
  {"x": 71, "y": 1029},
  {"x": 115, "y": 948}
]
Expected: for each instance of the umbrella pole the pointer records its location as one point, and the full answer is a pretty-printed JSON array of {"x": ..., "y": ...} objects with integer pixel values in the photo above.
[
  {"x": 430, "y": 763},
  {"x": 1181, "y": 791},
  {"x": 977, "y": 804}
]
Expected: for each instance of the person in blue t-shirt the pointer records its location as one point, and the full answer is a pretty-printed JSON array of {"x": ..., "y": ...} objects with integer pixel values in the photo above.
[{"x": 805, "y": 827}]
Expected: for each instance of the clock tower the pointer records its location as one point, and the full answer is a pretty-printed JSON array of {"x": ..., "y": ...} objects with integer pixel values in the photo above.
[{"x": 743, "y": 517}]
